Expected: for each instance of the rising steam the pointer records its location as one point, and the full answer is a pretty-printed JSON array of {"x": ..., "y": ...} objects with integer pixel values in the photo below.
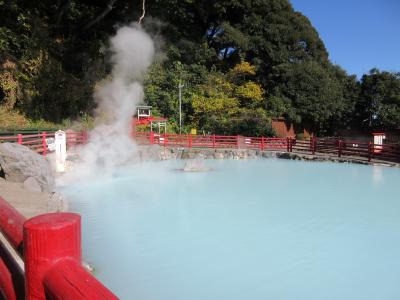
[{"x": 110, "y": 143}]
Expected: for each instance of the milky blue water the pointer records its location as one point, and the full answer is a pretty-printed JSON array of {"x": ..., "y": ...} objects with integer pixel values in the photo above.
[{"x": 254, "y": 230}]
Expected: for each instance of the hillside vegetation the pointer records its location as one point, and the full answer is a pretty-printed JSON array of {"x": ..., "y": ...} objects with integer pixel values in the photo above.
[{"x": 242, "y": 62}]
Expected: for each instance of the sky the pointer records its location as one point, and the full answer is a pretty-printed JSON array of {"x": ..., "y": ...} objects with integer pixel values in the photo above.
[{"x": 358, "y": 34}]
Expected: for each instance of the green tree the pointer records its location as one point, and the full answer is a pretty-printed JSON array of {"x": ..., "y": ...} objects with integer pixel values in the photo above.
[
  {"x": 379, "y": 102},
  {"x": 308, "y": 94}
]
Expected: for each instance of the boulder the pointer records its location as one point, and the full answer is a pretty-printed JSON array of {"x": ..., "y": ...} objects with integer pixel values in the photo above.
[{"x": 19, "y": 163}]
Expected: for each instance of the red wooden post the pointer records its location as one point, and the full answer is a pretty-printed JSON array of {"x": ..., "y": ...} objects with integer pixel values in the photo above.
[
  {"x": 370, "y": 151},
  {"x": 262, "y": 143},
  {"x": 20, "y": 139},
  {"x": 165, "y": 140},
  {"x": 85, "y": 137},
  {"x": 190, "y": 140},
  {"x": 44, "y": 144},
  {"x": 398, "y": 153},
  {"x": 213, "y": 141},
  {"x": 315, "y": 145},
  {"x": 340, "y": 148},
  {"x": 48, "y": 239},
  {"x": 237, "y": 141},
  {"x": 151, "y": 137},
  {"x": 311, "y": 145}
]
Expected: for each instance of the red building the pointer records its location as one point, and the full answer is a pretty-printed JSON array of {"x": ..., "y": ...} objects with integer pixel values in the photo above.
[{"x": 284, "y": 128}]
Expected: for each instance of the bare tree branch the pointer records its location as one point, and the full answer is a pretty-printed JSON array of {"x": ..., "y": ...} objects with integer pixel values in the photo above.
[
  {"x": 105, "y": 12},
  {"x": 144, "y": 11}
]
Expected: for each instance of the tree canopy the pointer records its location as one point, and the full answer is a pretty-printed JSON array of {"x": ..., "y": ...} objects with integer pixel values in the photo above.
[{"x": 242, "y": 62}]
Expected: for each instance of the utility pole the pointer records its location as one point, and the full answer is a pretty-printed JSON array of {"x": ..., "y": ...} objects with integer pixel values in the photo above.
[{"x": 180, "y": 86}]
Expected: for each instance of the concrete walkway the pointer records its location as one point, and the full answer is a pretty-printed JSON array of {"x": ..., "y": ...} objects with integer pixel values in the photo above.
[{"x": 29, "y": 203}]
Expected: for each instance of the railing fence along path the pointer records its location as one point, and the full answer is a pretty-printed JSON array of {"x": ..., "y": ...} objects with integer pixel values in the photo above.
[
  {"x": 329, "y": 146},
  {"x": 326, "y": 146},
  {"x": 41, "y": 142},
  {"x": 49, "y": 247},
  {"x": 44, "y": 253}
]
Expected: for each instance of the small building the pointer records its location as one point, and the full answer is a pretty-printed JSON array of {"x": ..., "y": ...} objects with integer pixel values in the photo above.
[
  {"x": 284, "y": 128},
  {"x": 144, "y": 118}
]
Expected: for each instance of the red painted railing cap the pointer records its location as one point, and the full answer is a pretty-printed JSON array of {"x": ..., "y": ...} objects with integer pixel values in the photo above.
[{"x": 53, "y": 220}]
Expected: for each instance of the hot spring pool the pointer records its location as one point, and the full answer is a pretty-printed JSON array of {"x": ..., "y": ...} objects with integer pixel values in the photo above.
[{"x": 254, "y": 230}]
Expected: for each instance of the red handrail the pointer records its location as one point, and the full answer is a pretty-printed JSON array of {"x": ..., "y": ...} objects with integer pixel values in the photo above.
[
  {"x": 331, "y": 146},
  {"x": 38, "y": 142},
  {"x": 11, "y": 223},
  {"x": 52, "y": 258}
]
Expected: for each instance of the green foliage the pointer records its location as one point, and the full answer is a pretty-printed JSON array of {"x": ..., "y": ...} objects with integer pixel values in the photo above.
[
  {"x": 241, "y": 62},
  {"x": 308, "y": 93},
  {"x": 379, "y": 104}
]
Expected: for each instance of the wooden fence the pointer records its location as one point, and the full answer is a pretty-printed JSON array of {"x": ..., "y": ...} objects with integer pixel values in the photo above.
[
  {"x": 325, "y": 146},
  {"x": 40, "y": 142},
  {"x": 41, "y": 258},
  {"x": 48, "y": 246}
]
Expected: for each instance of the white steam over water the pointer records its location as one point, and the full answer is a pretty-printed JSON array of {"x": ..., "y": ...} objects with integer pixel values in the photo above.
[{"x": 110, "y": 143}]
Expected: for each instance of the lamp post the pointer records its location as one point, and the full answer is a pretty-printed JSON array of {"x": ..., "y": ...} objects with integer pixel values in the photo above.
[{"x": 180, "y": 86}]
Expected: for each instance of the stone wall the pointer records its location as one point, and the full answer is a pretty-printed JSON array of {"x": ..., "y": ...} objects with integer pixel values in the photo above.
[{"x": 156, "y": 152}]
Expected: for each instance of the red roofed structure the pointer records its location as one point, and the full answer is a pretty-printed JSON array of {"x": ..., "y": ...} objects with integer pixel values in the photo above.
[{"x": 144, "y": 118}]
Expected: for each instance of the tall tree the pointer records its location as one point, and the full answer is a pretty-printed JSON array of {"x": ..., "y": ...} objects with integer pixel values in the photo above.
[{"x": 379, "y": 102}]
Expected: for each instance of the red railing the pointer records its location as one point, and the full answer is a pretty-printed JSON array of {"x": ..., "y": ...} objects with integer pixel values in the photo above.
[
  {"x": 50, "y": 246},
  {"x": 51, "y": 243},
  {"x": 326, "y": 146},
  {"x": 39, "y": 142},
  {"x": 210, "y": 141}
]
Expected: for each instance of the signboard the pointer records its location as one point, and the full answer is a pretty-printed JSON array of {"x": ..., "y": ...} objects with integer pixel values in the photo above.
[
  {"x": 51, "y": 144},
  {"x": 61, "y": 150}
]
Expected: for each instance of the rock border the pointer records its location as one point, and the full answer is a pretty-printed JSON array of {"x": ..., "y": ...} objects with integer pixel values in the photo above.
[{"x": 156, "y": 152}]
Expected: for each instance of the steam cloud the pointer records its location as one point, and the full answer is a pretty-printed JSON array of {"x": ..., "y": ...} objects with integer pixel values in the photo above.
[{"x": 110, "y": 143}]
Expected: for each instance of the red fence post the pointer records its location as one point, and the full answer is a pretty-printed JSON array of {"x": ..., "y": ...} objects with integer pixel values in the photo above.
[
  {"x": 262, "y": 143},
  {"x": 339, "y": 148},
  {"x": 19, "y": 139},
  {"x": 165, "y": 140},
  {"x": 190, "y": 140},
  {"x": 151, "y": 137},
  {"x": 370, "y": 151},
  {"x": 213, "y": 141},
  {"x": 311, "y": 145},
  {"x": 85, "y": 137},
  {"x": 47, "y": 239},
  {"x": 398, "y": 153},
  {"x": 314, "y": 145},
  {"x": 238, "y": 141},
  {"x": 44, "y": 144}
]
